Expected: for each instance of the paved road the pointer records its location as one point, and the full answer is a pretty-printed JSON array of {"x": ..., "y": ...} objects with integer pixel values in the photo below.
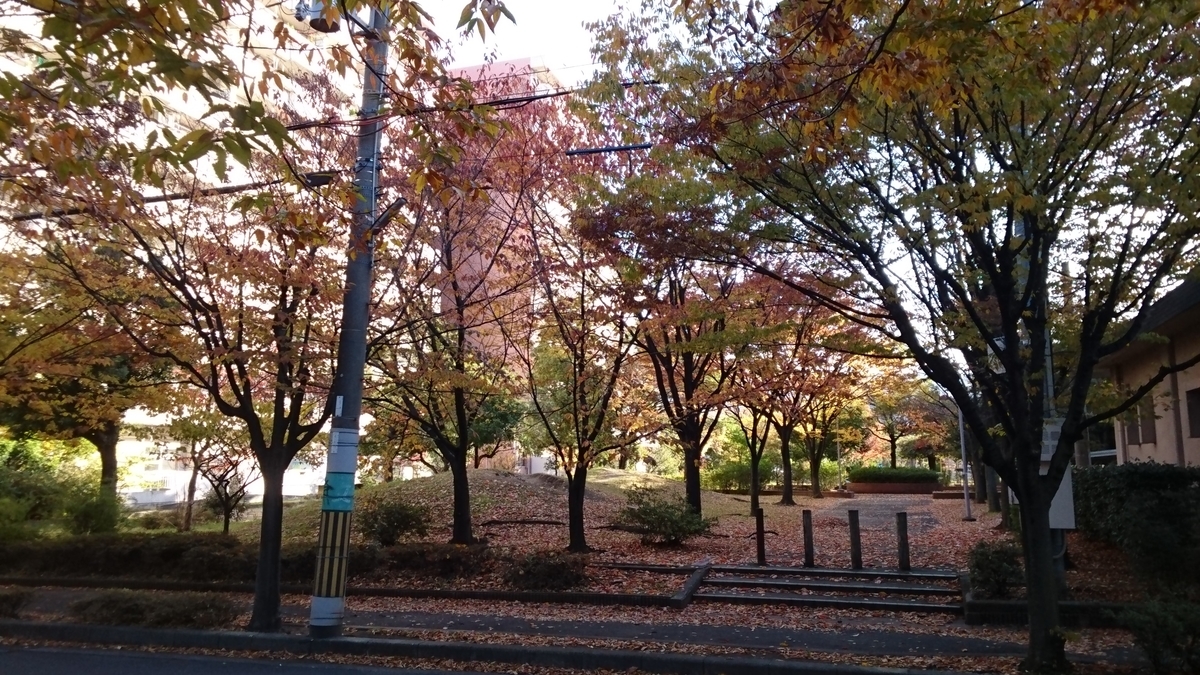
[
  {"x": 25, "y": 661},
  {"x": 879, "y": 511},
  {"x": 850, "y": 640}
]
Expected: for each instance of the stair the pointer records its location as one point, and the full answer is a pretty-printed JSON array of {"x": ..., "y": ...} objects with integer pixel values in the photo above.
[{"x": 926, "y": 591}]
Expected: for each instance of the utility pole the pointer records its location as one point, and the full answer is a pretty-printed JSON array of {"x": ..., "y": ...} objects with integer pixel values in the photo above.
[{"x": 337, "y": 502}]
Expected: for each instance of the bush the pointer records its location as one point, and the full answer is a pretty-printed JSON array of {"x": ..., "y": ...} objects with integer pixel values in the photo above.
[
  {"x": 12, "y": 520},
  {"x": 547, "y": 571},
  {"x": 1151, "y": 511},
  {"x": 443, "y": 560},
  {"x": 385, "y": 518},
  {"x": 660, "y": 517},
  {"x": 886, "y": 474},
  {"x": 299, "y": 561},
  {"x": 185, "y": 556},
  {"x": 12, "y": 601},
  {"x": 156, "y": 610},
  {"x": 156, "y": 520},
  {"x": 994, "y": 568},
  {"x": 94, "y": 513},
  {"x": 1169, "y": 634}
]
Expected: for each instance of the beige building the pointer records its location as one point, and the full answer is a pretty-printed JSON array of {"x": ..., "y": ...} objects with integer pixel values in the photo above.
[{"x": 1165, "y": 426}]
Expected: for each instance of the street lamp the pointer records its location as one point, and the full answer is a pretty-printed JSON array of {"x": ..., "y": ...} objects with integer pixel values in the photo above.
[{"x": 337, "y": 500}]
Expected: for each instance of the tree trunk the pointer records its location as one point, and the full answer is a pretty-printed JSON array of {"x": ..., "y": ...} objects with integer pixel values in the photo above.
[
  {"x": 932, "y": 462},
  {"x": 979, "y": 475},
  {"x": 105, "y": 439},
  {"x": 461, "y": 534},
  {"x": 991, "y": 480},
  {"x": 754, "y": 484},
  {"x": 892, "y": 443},
  {"x": 1047, "y": 652},
  {"x": 227, "y": 514},
  {"x": 691, "y": 472},
  {"x": 622, "y": 461},
  {"x": 265, "y": 617},
  {"x": 785, "y": 452},
  {"x": 1005, "y": 507},
  {"x": 389, "y": 470},
  {"x": 576, "y": 486},
  {"x": 814, "y": 467},
  {"x": 189, "y": 506}
]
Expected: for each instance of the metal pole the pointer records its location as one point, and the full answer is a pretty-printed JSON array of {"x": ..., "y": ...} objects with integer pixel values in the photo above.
[
  {"x": 962, "y": 441},
  {"x": 855, "y": 542},
  {"x": 329, "y": 592},
  {"x": 760, "y": 535},
  {"x": 808, "y": 538}
]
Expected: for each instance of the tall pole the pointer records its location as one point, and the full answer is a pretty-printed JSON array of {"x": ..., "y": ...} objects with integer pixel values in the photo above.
[{"x": 337, "y": 502}]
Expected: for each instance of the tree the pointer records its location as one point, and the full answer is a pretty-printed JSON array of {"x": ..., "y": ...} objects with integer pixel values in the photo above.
[
  {"x": 235, "y": 294},
  {"x": 214, "y": 447},
  {"x": 682, "y": 335},
  {"x": 242, "y": 305},
  {"x": 574, "y": 357},
  {"x": 459, "y": 279},
  {"x": 895, "y": 409},
  {"x": 68, "y": 372},
  {"x": 952, "y": 161}
]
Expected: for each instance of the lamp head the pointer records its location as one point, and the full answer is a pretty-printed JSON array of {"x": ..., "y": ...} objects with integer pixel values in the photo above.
[{"x": 314, "y": 12}]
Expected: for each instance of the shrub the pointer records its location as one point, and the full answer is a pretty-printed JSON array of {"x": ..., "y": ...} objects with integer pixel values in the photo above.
[
  {"x": 156, "y": 520},
  {"x": 156, "y": 610},
  {"x": 385, "y": 518},
  {"x": 12, "y": 601},
  {"x": 12, "y": 520},
  {"x": 1169, "y": 633},
  {"x": 994, "y": 567},
  {"x": 299, "y": 561},
  {"x": 194, "y": 556},
  {"x": 1151, "y": 511},
  {"x": 443, "y": 560},
  {"x": 547, "y": 571},
  {"x": 661, "y": 517},
  {"x": 93, "y": 513},
  {"x": 886, "y": 474}
]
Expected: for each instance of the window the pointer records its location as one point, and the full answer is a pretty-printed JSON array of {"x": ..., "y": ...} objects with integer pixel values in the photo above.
[
  {"x": 1193, "y": 412},
  {"x": 1130, "y": 422},
  {"x": 1149, "y": 433}
]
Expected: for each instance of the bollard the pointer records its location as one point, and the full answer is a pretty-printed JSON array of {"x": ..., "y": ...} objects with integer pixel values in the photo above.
[
  {"x": 902, "y": 540},
  {"x": 808, "y": 539},
  {"x": 761, "y": 536},
  {"x": 855, "y": 542}
]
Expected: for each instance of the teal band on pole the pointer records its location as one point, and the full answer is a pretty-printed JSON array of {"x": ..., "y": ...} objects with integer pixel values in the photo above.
[{"x": 339, "y": 492}]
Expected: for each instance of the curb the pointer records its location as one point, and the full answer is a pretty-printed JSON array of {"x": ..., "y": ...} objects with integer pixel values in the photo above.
[
  {"x": 547, "y": 597},
  {"x": 554, "y": 657}
]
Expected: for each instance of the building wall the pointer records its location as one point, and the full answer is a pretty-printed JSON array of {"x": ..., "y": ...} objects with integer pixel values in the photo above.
[{"x": 1140, "y": 368}]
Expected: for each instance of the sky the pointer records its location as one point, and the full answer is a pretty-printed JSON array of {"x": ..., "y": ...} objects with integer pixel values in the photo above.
[{"x": 549, "y": 31}]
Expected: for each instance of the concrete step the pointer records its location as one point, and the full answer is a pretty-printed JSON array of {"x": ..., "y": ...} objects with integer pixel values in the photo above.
[
  {"x": 831, "y": 586},
  {"x": 916, "y": 575},
  {"x": 841, "y": 602}
]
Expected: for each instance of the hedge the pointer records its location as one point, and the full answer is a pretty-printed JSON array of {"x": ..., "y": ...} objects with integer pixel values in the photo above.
[
  {"x": 886, "y": 474},
  {"x": 208, "y": 557},
  {"x": 1151, "y": 511}
]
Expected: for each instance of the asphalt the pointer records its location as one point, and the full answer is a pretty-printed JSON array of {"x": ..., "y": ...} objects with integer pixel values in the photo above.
[
  {"x": 848, "y": 640},
  {"x": 16, "y": 660}
]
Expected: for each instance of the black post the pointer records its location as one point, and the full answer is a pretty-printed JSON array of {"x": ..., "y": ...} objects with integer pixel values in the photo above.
[
  {"x": 902, "y": 540},
  {"x": 855, "y": 542},
  {"x": 808, "y": 539},
  {"x": 761, "y": 535}
]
